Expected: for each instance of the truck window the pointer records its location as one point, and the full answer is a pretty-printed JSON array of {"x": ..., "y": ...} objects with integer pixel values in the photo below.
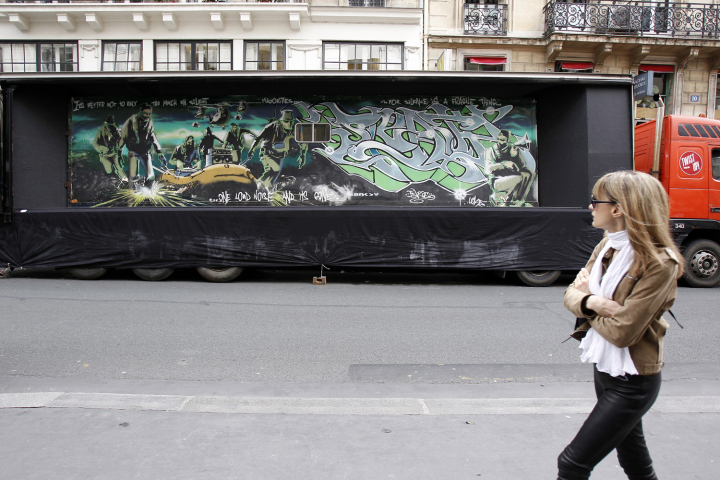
[{"x": 716, "y": 163}]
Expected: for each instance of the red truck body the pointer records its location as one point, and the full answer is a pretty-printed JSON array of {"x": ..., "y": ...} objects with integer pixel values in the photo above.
[{"x": 689, "y": 169}]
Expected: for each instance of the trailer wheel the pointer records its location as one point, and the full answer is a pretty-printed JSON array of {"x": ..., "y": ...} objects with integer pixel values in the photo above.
[
  {"x": 220, "y": 275},
  {"x": 701, "y": 258},
  {"x": 539, "y": 278},
  {"x": 88, "y": 273},
  {"x": 153, "y": 274}
]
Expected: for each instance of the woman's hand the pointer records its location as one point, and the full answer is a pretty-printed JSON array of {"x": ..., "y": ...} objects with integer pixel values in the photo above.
[
  {"x": 581, "y": 281},
  {"x": 603, "y": 306}
]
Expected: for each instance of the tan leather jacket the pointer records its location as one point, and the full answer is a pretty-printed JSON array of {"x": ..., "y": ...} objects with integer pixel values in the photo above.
[{"x": 638, "y": 325}]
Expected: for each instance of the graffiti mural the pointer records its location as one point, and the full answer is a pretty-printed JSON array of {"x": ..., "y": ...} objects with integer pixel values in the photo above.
[{"x": 414, "y": 151}]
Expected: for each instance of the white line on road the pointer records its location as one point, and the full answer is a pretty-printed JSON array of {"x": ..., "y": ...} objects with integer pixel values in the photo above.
[{"x": 339, "y": 406}]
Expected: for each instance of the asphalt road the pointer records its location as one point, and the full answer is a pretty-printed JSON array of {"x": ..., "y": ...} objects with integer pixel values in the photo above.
[
  {"x": 374, "y": 375},
  {"x": 277, "y": 326}
]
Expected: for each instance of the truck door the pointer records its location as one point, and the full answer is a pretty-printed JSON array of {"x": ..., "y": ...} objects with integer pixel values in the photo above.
[
  {"x": 689, "y": 179},
  {"x": 714, "y": 187}
]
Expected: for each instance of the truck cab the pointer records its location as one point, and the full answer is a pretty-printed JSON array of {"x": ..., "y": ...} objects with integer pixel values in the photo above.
[{"x": 689, "y": 169}]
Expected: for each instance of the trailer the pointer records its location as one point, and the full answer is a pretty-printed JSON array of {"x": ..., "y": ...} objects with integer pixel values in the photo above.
[{"x": 223, "y": 171}]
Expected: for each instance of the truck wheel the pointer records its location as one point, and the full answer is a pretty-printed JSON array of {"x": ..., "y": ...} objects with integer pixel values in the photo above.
[
  {"x": 701, "y": 258},
  {"x": 539, "y": 278},
  {"x": 220, "y": 275},
  {"x": 88, "y": 273},
  {"x": 153, "y": 274}
]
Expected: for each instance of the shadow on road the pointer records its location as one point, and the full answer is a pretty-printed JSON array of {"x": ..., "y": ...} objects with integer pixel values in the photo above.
[{"x": 391, "y": 276}]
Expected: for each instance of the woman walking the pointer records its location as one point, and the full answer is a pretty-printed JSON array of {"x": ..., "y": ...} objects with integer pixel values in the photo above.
[{"x": 619, "y": 298}]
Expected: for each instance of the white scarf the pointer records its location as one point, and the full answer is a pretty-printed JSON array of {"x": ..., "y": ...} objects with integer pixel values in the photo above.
[{"x": 609, "y": 358}]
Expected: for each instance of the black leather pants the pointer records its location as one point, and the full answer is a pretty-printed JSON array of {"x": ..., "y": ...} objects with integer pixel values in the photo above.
[{"x": 614, "y": 423}]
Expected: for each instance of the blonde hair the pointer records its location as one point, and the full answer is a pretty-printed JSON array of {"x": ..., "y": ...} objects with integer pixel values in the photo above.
[{"x": 642, "y": 200}]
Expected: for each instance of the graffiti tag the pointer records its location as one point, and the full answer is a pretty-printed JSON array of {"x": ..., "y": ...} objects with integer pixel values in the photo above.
[{"x": 419, "y": 196}]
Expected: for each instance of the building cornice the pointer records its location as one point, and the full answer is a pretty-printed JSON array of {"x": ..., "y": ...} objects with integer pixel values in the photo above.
[
  {"x": 23, "y": 16},
  {"x": 590, "y": 39}
]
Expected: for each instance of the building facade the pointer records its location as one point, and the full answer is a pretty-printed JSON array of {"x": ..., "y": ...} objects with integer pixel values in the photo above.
[
  {"x": 78, "y": 35},
  {"x": 678, "y": 41}
]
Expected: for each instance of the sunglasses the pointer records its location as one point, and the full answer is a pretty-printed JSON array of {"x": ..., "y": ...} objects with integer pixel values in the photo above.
[{"x": 594, "y": 202}]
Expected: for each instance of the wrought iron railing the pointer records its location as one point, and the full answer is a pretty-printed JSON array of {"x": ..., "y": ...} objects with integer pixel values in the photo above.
[
  {"x": 157, "y": 1},
  {"x": 642, "y": 18},
  {"x": 366, "y": 3},
  {"x": 483, "y": 19},
  {"x": 318, "y": 3}
]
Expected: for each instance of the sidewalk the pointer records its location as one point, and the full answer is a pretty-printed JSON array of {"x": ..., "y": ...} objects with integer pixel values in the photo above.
[{"x": 497, "y": 430}]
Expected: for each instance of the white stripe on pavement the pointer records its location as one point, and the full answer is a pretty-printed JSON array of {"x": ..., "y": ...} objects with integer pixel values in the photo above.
[{"x": 339, "y": 406}]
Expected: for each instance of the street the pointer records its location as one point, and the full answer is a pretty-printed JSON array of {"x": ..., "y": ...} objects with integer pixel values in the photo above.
[{"x": 374, "y": 375}]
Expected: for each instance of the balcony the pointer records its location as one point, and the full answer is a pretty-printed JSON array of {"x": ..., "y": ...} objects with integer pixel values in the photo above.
[
  {"x": 155, "y": 1},
  {"x": 483, "y": 19},
  {"x": 316, "y": 3},
  {"x": 643, "y": 18}
]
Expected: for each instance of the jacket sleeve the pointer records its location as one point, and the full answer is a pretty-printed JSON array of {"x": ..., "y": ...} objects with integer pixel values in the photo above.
[
  {"x": 574, "y": 297},
  {"x": 646, "y": 303}
]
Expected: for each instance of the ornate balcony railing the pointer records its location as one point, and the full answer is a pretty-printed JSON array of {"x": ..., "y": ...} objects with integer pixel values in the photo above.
[
  {"x": 483, "y": 19},
  {"x": 642, "y": 18},
  {"x": 316, "y": 3},
  {"x": 366, "y": 3},
  {"x": 156, "y": 1}
]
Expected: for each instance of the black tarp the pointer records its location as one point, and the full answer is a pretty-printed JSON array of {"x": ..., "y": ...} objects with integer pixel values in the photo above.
[{"x": 507, "y": 239}]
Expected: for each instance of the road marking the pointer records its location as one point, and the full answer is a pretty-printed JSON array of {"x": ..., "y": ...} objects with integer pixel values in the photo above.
[{"x": 339, "y": 406}]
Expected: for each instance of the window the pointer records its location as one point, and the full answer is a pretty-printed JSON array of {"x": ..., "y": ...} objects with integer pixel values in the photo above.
[
  {"x": 171, "y": 56},
  {"x": 39, "y": 57},
  {"x": 362, "y": 56},
  {"x": 312, "y": 132},
  {"x": 264, "y": 55},
  {"x": 121, "y": 57},
  {"x": 574, "y": 67},
  {"x": 716, "y": 164},
  {"x": 662, "y": 85},
  {"x": 484, "y": 64}
]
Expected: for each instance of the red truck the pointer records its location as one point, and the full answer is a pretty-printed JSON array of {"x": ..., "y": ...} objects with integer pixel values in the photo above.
[{"x": 687, "y": 163}]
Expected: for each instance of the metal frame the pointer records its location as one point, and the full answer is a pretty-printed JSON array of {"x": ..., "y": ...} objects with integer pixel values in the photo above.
[
  {"x": 38, "y": 54},
  {"x": 402, "y": 55},
  {"x": 245, "y": 61},
  {"x": 6, "y": 200},
  {"x": 193, "y": 52},
  {"x": 128, "y": 42},
  {"x": 285, "y": 75}
]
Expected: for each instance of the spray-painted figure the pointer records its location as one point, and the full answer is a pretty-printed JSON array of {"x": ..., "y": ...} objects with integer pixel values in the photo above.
[
  {"x": 138, "y": 134},
  {"x": 277, "y": 142},
  {"x": 107, "y": 144},
  {"x": 238, "y": 140},
  {"x": 508, "y": 172},
  {"x": 186, "y": 155},
  {"x": 207, "y": 143}
]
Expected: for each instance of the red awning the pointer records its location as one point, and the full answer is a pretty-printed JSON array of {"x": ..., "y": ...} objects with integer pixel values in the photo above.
[
  {"x": 657, "y": 68},
  {"x": 488, "y": 60},
  {"x": 576, "y": 65}
]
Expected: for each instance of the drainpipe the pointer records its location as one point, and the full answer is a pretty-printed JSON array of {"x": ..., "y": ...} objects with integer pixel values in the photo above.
[
  {"x": 425, "y": 44},
  {"x": 655, "y": 172}
]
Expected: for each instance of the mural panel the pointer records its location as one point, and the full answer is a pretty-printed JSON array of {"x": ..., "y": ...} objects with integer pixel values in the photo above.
[{"x": 310, "y": 151}]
